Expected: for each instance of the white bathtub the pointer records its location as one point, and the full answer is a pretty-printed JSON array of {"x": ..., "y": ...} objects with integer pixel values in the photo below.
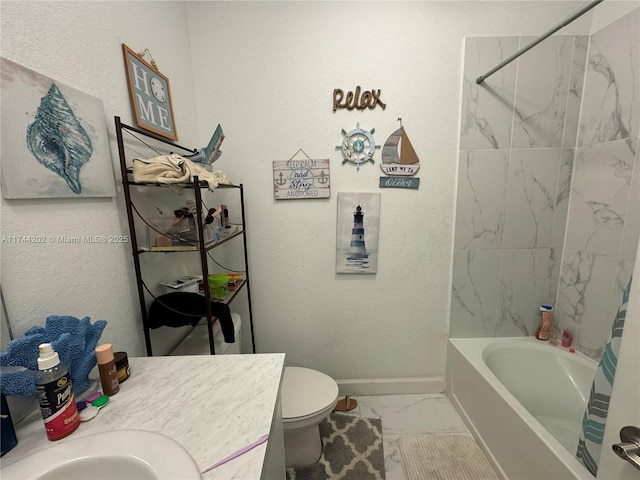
[{"x": 523, "y": 400}]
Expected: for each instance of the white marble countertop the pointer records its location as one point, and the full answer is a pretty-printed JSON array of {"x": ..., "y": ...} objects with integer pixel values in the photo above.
[{"x": 212, "y": 405}]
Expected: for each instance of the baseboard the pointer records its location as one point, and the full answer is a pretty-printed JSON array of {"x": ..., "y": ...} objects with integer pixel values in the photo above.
[{"x": 391, "y": 386}]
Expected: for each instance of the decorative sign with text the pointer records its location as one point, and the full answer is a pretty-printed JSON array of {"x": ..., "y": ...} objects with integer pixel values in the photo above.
[
  {"x": 358, "y": 100},
  {"x": 399, "y": 161},
  {"x": 150, "y": 95},
  {"x": 400, "y": 182},
  {"x": 301, "y": 179}
]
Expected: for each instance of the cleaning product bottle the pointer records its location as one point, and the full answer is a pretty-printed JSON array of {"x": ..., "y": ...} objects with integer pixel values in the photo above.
[
  {"x": 546, "y": 313},
  {"x": 55, "y": 394},
  {"x": 107, "y": 368}
]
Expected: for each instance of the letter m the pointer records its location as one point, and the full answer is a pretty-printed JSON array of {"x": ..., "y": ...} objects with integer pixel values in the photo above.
[{"x": 146, "y": 110}]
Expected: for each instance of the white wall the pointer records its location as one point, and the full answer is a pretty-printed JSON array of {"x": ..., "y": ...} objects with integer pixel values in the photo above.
[
  {"x": 79, "y": 44},
  {"x": 266, "y": 71}
]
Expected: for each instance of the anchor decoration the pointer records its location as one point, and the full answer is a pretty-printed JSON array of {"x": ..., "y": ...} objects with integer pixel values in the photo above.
[
  {"x": 323, "y": 178},
  {"x": 280, "y": 180},
  {"x": 358, "y": 146}
]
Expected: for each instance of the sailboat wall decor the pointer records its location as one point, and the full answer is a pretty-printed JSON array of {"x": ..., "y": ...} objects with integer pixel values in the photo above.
[{"x": 398, "y": 155}]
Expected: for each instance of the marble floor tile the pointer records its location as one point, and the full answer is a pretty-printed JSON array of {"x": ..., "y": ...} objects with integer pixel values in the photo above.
[
  {"x": 392, "y": 464},
  {"x": 413, "y": 413}
]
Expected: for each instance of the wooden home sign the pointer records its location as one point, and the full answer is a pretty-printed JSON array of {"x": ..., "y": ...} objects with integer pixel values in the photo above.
[{"x": 301, "y": 179}]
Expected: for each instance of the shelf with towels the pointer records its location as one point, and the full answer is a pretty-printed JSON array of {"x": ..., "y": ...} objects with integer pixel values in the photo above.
[{"x": 197, "y": 240}]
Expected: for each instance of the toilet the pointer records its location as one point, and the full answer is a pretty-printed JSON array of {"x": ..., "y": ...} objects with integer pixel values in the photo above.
[{"x": 308, "y": 397}]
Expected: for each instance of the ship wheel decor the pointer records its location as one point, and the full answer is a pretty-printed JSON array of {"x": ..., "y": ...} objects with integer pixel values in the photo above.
[{"x": 358, "y": 146}]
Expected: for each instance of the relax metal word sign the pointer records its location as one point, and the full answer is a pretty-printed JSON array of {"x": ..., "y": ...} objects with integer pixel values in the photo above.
[{"x": 368, "y": 99}]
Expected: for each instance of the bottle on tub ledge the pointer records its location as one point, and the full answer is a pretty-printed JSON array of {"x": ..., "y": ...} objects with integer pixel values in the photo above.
[{"x": 544, "y": 329}]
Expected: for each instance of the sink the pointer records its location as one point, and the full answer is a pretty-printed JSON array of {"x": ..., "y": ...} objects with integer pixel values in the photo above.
[{"x": 116, "y": 454}]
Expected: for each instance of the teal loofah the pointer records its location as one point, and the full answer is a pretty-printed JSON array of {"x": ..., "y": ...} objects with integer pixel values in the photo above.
[{"x": 75, "y": 341}]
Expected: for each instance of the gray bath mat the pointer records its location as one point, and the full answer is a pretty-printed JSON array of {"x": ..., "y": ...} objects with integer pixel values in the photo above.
[
  {"x": 440, "y": 456},
  {"x": 352, "y": 450}
]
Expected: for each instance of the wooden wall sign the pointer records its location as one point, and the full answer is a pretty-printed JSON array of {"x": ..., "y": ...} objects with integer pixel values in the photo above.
[
  {"x": 150, "y": 95},
  {"x": 368, "y": 99},
  {"x": 301, "y": 179},
  {"x": 411, "y": 183},
  {"x": 399, "y": 161}
]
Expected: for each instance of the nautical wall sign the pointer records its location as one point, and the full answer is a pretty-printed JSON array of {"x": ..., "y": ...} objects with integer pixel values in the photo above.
[
  {"x": 398, "y": 155},
  {"x": 399, "y": 161},
  {"x": 301, "y": 179},
  {"x": 368, "y": 99},
  {"x": 358, "y": 146},
  {"x": 150, "y": 95},
  {"x": 400, "y": 182}
]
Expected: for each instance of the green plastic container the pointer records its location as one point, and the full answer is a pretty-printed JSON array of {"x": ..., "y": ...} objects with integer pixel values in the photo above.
[{"x": 218, "y": 285}]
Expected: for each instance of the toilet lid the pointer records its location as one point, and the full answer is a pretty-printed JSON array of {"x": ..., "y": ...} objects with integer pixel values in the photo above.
[{"x": 306, "y": 391}]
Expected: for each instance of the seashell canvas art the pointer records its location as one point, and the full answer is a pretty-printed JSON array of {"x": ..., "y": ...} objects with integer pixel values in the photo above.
[{"x": 54, "y": 140}]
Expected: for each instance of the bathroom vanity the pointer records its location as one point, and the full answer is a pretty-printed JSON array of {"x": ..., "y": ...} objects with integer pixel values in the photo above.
[{"x": 211, "y": 405}]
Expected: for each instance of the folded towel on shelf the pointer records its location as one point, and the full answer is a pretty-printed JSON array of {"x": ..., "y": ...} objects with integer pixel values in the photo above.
[
  {"x": 75, "y": 341},
  {"x": 174, "y": 169},
  {"x": 177, "y": 309}
]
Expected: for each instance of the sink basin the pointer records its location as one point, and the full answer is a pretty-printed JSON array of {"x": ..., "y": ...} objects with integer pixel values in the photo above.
[{"x": 116, "y": 454}]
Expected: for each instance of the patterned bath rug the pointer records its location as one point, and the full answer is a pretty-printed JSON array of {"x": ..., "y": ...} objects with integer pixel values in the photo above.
[
  {"x": 440, "y": 456},
  {"x": 352, "y": 450}
]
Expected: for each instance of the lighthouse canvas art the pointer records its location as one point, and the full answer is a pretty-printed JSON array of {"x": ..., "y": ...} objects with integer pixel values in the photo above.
[{"x": 357, "y": 232}]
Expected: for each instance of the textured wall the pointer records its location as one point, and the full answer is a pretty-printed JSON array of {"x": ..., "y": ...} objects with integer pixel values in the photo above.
[
  {"x": 266, "y": 70},
  {"x": 79, "y": 44}
]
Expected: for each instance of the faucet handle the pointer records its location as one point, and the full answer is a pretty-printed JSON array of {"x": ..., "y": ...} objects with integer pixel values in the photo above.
[{"x": 629, "y": 448}]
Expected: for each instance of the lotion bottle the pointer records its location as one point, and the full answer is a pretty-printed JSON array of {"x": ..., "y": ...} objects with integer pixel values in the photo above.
[
  {"x": 107, "y": 368},
  {"x": 543, "y": 331},
  {"x": 55, "y": 395}
]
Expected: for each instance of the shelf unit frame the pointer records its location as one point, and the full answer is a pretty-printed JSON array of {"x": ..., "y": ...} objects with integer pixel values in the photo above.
[{"x": 203, "y": 248}]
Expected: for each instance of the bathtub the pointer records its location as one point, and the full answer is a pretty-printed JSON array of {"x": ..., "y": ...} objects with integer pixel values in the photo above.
[{"x": 523, "y": 401}]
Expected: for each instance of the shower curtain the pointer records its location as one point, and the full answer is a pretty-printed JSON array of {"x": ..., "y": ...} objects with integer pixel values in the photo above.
[{"x": 595, "y": 415}]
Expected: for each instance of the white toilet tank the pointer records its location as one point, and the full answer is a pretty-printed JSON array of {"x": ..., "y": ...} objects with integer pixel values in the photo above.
[{"x": 197, "y": 342}]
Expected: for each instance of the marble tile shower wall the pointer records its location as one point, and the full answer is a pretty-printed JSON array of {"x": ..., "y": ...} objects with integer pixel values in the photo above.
[
  {"x": 604, "y": 213},
  {"x": 547, "y": 211}
]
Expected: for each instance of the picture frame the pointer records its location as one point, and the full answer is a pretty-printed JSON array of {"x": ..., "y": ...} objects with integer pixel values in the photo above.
[
  {"x": 150, "y": 95},
  {"x": 55, "y": 142},
  {"x": 357, "y": 232}
]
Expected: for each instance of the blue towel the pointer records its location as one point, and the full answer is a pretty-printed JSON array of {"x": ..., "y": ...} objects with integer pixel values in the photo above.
[{"x": 74, "y": 340}]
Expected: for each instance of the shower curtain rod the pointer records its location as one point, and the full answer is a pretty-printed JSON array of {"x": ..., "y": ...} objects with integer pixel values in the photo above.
[{"x": 564, "y": 23}]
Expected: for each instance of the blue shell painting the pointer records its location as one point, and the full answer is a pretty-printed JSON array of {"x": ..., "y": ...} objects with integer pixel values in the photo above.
[{"x": 57, "y": 140}]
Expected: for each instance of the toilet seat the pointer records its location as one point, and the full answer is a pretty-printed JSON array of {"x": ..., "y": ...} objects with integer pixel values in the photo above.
[{"x": 305, "y": 393}]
